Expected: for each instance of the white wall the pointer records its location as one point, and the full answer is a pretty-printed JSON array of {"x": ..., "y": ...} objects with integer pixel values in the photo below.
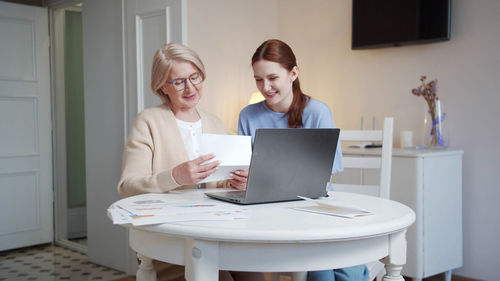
[
  {"x": 225, "y": 34},
  {"x": 378, "y": 82}
]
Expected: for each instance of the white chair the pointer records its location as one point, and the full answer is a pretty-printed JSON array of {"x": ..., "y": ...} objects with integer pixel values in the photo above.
[
  {"x": 382, "y": 163},
  {"x": 382, "y": 189}
]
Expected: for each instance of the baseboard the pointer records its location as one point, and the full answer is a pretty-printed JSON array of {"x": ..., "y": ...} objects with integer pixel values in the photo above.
[
  {"x": 77, "y": 222},
  {"x": 462, "y": 278},
  {"x": 441, "y": 277}
]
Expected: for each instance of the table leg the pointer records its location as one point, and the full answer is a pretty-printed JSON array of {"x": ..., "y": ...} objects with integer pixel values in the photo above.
[
  {"x": 201, "y": 259},
  {"x": 146, "y": 271},
  {"x": 447, "y": 275},
  {"x": 299, "y": 276},
  {"x": 393, "y": 273},
  {"x": 397, "y": 257}
]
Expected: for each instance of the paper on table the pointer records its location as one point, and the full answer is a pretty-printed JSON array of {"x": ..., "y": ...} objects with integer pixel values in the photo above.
[
  {"x": 134, "y": 213},
  {"x": 208, "y": 216},
  {"x": 333, "y": 208},
  {"x": 233, "y": 151},
  {"x": 118, "y": 217}
]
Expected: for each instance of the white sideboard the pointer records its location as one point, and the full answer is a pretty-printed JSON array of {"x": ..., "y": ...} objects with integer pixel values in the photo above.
[{"x": 429, "y": 182}]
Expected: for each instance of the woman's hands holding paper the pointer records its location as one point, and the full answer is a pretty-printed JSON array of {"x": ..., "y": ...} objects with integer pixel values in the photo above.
[
  {"x": 193, "y": 171},
  {"x": 239, "y": 179}
]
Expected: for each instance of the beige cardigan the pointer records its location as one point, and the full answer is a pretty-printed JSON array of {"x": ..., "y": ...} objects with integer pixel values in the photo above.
[{"x": 154, "y": 147}]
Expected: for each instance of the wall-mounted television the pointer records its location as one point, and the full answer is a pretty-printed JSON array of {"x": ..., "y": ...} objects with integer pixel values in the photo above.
[{"x": 383, "y": 23}]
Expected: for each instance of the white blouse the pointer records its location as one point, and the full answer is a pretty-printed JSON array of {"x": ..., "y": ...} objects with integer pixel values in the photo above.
[{"x": 191, "y": 136}]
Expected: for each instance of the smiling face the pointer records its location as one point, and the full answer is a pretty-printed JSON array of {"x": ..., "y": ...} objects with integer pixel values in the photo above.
[
  {"x": 187, "y": 99},
  {"x": 275, "y": 83}
]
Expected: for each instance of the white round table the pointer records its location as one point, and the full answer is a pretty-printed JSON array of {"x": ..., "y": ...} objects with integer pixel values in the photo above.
[{"x": 275, "y": 238}]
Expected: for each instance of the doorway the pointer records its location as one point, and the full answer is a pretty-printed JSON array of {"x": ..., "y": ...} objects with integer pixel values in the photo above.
[{"x": 69, "y": 137}]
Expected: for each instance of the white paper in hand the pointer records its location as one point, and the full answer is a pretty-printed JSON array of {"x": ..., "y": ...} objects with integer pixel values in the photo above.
[{"x": 233, "y": 151}]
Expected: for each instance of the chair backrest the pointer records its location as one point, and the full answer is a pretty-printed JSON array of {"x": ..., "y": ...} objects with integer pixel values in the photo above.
[{"x": 362, "y": 162}]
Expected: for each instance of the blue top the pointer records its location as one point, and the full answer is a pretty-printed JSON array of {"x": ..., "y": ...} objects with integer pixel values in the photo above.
[{"x": 316, "y": 115}]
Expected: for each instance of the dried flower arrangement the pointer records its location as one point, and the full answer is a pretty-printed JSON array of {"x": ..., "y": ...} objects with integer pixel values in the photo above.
[{"x": 428, "y": 91}]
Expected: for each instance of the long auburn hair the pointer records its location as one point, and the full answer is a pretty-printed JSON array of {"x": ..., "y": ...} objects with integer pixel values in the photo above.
[{"x": 278, "y": 51}]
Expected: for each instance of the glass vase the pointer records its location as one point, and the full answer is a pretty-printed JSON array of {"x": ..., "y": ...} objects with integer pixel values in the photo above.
[{"x": 436, "y": 132}]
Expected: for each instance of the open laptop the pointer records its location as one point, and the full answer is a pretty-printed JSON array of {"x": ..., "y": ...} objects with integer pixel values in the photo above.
[{"x": 287, "y": 163}]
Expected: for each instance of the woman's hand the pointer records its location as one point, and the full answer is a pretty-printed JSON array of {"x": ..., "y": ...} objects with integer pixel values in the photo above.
[
  {"x": 239, "y": 179},
  {"x": 193, "y": 171}
]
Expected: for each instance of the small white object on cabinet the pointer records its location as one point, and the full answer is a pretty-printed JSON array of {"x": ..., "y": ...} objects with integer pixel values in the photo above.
[{"x": 429, "y": 182}]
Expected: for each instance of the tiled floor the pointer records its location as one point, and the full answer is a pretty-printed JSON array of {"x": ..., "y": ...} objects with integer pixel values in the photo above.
[{"x": 50, "y": 263}]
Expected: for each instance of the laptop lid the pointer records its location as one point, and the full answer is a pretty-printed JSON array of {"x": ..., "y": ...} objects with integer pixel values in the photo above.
[{"x": 289, "y": 162}]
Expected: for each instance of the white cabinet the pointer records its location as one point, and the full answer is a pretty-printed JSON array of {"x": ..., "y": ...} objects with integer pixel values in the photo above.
[{"x": 429, "y": 182}]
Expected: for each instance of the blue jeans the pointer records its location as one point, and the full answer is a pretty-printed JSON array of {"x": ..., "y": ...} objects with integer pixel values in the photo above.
[{"x": 355, "y": 273}]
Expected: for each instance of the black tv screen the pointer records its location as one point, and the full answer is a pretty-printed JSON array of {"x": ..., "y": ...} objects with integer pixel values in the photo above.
[{"x": 382, "y": 23}]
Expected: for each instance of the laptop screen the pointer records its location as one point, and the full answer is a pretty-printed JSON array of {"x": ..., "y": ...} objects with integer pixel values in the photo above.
[{"x": 290, "y": 162}]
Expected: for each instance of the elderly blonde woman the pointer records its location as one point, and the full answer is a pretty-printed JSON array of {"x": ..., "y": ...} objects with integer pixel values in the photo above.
[{"x": 161, "y": 152}]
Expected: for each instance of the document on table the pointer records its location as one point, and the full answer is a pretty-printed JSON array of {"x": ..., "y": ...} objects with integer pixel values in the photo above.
[
  {"x": 147, "y": 212},
  {"x": 233, "y": 151},
  {"x": 333, "y": 208}
]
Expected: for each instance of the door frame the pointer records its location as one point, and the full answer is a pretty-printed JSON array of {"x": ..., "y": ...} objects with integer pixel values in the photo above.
[{"x": 56, "y": 26}]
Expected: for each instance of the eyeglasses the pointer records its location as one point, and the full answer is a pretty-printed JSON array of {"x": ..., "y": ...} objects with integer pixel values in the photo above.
[{"x": 180, "y": 83}]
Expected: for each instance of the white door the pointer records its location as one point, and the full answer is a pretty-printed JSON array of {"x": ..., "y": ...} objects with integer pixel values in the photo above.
[
  {"x": 149, "y": 25},
  {"x": 25, "y": 127}
]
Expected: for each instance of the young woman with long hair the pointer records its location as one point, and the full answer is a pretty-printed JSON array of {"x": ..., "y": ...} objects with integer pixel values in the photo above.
[{"x": 286, "y": 106}]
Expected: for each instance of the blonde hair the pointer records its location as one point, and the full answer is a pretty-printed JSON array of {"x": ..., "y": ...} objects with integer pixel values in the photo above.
[{"x": 162, "y": 64}]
